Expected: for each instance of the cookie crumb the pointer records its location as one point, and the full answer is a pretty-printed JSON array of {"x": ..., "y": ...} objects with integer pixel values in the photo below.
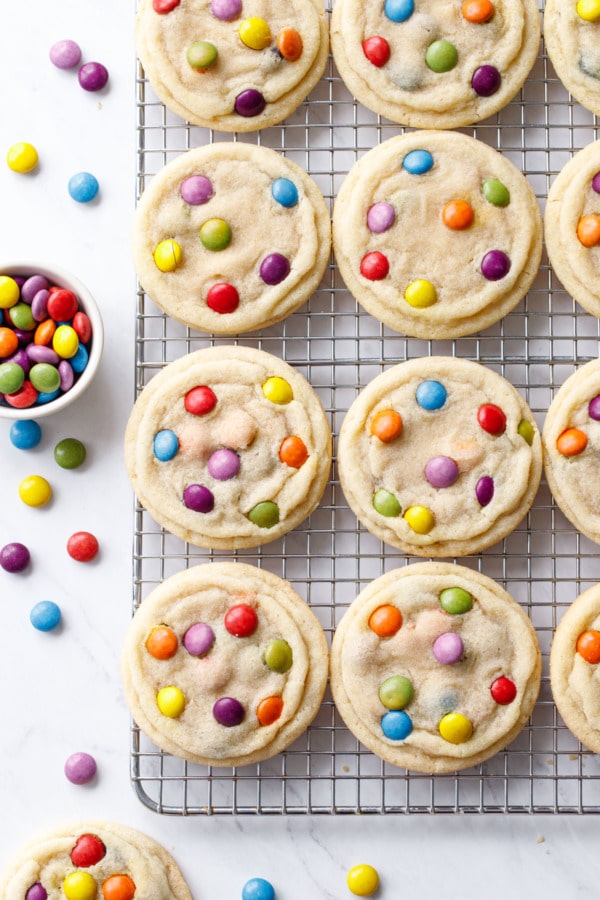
[{"x": 540, "y": 839}]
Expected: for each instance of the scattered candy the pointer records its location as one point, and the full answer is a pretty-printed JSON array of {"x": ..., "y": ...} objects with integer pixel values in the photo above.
[
  {"x": 166, "y": 445},
  {"x": 22, "y": 157},
  {"x": 83, "y": 187},
  {"x": 34, "y": 490},
  {"x": 65, "y": 54},
  {"x": 92, "y": 76},
  {"x": 118, "y": 887},
  {"x": 80, "y": 768},
  {"x": 363, "y": 880},
  {"x": 45, "y": 615},
  {"x": 228, "y": 712},
  {"x": 223, "y": 464},
  {"x": 293, "y": 452},
  {"x": 82, "y": 546},
  {"x": 441, "y": 56},
  {"x": 258, "y": 889},
  {"x": 14, "y": 557},
  {"x": 588, "y": 230},
  {"x": 170, "y": 701},
  {"x": 69, "y": 453},
  {"x": 455, "y": 728}
]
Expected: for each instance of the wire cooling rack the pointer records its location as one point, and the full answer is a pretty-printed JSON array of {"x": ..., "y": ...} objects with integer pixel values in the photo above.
[{"x": 544, "y": 564}]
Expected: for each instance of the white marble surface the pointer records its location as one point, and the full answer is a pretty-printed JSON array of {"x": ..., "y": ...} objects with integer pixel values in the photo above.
[{"x": 61, "y": 692}]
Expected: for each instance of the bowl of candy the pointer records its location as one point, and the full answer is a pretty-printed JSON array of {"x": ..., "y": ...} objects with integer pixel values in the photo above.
[{"x": 51, "y": 339}]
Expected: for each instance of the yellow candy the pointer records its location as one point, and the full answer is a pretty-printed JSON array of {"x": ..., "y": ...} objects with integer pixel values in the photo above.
[
  {"x": 22, "y": 157},
  {"x": 420, "y": 519},
  {"x": 255, "y": 33},
  {"x": 170, "y": 701},
  {"x": 588, "y": 10},
  {"x": 363, "y": 880},
  {"x": 9, "y": 292},
  {"x": 79, "y": 886},
  {"x": 35, "y": 490},
  {"x": 277, "y": 390},
  {"x": 167, "y": 255},
  {"x": 420, "y": 294},
  {"x": 65, "y": 341},
  {"x": 455, "y": 728}
]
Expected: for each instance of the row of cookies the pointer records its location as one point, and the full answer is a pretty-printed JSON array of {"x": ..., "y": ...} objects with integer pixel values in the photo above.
[
  {"x": 436, "y": 234},
  {"x": 236, "y": 65}
]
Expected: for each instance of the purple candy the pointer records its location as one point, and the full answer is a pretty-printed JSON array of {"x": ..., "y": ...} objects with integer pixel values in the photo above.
[
  {"x": 486, "y": 81},
  {"x": 196, "y": 190},
  {"x": 67, "y": 376},
  {"x": 92, "y": 76},
  {"x": 249, "y": 103},
  {"x": 594, "y": 408},
  {"x": 19, "y": 279},
  {"x": 24, "y": 337},
  {"x": 39, "y": 353},
  {"x": 441, "y": 471},
  {"x": 198, "y": 639},
  {"x": 36, "y": 892},
  {"x": 380, "y": 217},
  {"x": 228, "y": 711},
  {"x": 226, "y": 9},
  {"x": 30, "y": 288},
  {"x": 484, "y": 490},
  {"x": 21, "y": 359},
  {"x": 448, "y": 648},
  {"x": 224, "y": 464},
  {"x": 80, "y": 768},
  {"x": 198, "y": 498},
  {"x": 39, "y": 305},
  {"x": 65, "y": 54},
  {"x": 495, "y": 265},
  {"x": 14, "y": 557},
  {"x": 274, "y": 268},
  {"x": 596, "y": 183}
]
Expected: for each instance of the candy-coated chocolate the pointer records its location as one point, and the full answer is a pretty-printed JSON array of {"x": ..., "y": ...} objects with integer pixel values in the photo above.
[
  {"x": 118, "y": 887},
  {"x": 396, "y": 725},
  {"x": 228, "y": 712},
  {"x": 164, "y": 6},
  {"x": 226, "y": 10},
  {"x": 441, "y": 56},
  {"x": 431, "y": 395},
  {"x": 396, "y": 692},
  {"x": 12, "y": 377},
  {"x": 39, "y": 306},
  {"x": 45, "y": 615},
  {"x": 14, "y": 557},
  {"x": 83, "y": 187},
  {"x": 80, "y": 768},
  {"x": 21, "y": 317},
  {"x": 386, "y": 425},
  {"x": 491, "y": 418},
  {"x": 162, "y": 642},
  {"x": 495, "y": 265},
  {"x": 588, "y": 230},
  {"x": 202, "y": 55},
  {"x": 9, "y": 292},
  {"x": 44, "y": 332},
  {"x": 249, "y": 103},
  {"x": 495, "y": 192},
  {"x": 44, "y": 377},
  {"x": 457, "y": 215},
  {"x": 418, "y": 162},
  {"x": 274, "y": 268},
  {"x": 9, "y": 342},
  {"x": 196, "y": 190},
  {"x": 478, "y": 11},
  {"x": 34, "y": 490},
  {"x": 486, "y": 80},
  {"x": 241, "y": 620},
  {"x": 503, "y": 690},
  {"x": 32, "y": 285},
  {"x": 80, "y": 886},
  {"x": 278, "y": 390},
  {"x": 198, "y": 639},
  {"x": 165, "y": 445},
  {"x": 571, "y": 442},
  {"x": 25, "y": 397},
  {"x": 293, "y": 452},
  {"x": 65, "y": 54},
  {"x": 39, "y": 353},
  {"x": 87, "y": 851},
  {"x": 398, "y": 10},
  {"x": 67, "y": 375},
  {"x": 198, "y": 498},
  {"x": 456, "y": 601},
  {"x": 285, "y": 192},
  {"x": 596, "y": 183},
  {"x": 65, "y": 341},
  {"x": 22, "y": 157},
  {"x": 594, "y": 408},
  {"x": 82, "y": 326},
  {"x": 377, "y": 50},
  {"x": 386, "y": 503},
  {"x": 46, "y": 398},
  {"x": 588, "y": 646},
  {"x": 258, "y": 889},
  {"x": 80, "y": 360},
  {"x": 588, "y": 10},
  {"x": 222, "y": 298},
  {"x": 167, "y": 255},
  {"x": 420, "y": 294},
  {"x": 362, "y": 880},
  {"x": 170, "y": 701},
  {"x": 289, "y": 44},
  {"x": 380, "y": 217},
  {"x": 374, "y": 266},
  {"x": 277, "y": 656},
  {"x": 386, "y": 620},
  {"x": 265, "y": 514},
  {"x": 448, "y": 648},
  {"x": 526, "y": 430},
  {"x": 255, "y": 33},
  {"x": 36, "y": 892},
  {"x": 269, "y": 710},
  {"x": 83, "y": 546},
  {"x": 484, "y": 490},
  {"x": 215, "y": 234},
  {"x": 92, "y": 76},
  {"x": 223, "y": 464},
  {"x": 200, "y": 400},
  {"x": 455, "y": 728},
  {"x": 420, "y": 519},
  {"x": 441, "y": 472}
]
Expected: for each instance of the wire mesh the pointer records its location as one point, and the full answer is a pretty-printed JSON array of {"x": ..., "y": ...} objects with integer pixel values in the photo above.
[{"x": 544, "y": 564}]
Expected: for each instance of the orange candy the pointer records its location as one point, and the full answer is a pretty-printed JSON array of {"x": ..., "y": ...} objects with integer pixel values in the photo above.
[
  {"x": 588, "y": 646},
  {"x": 477, "y": 11},
  {"x": 8, "y": 342},
  {"x": 162, "y": 642},
  {"x": 457, "y": 215},
  {"x": 385, "y": 620},
  {"x": 269, "y": 710},
  {"x": 289, "y": 44},
  {"x": 44, "y": 333},
  {"x": 571, "y": 442},
  {"x": 386, "y": 425},
  {"x": 293, "y": 452},
  {"x": 118, "y": 887},
  {"x": 588, "y": 230}
]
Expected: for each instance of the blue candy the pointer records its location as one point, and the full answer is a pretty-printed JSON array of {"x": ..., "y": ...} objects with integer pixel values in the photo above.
[
  {"x": 45, "y": 615},
  {"x": 399, "y": 10},
  {"x": 396, "y": 725},
  {"x": 80, "y": 360},
  {"x": 258, "y": 889},
  {"x": 417, "y": 162},
  {"x": 285, "y": 192},
  {"x": 166, "y": 445},
  {"x": 46, "y": 398},
  {"x": 431, "y": 395},
  {"x": 83, "y": 187},
  {"x": 25, "y": 434}
]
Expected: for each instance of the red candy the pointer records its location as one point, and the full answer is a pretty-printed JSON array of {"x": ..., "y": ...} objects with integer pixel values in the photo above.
[
  {"x": 62, "y": 305},
  {"x": 374, "y": 266},
  {"x": 377, "y": 50},
  {"x": 88, "y": 851},
  {"x": 503, "y": 690},
  {"x": 164, "y": 6},
  {"x": 200, "y": 400},
  {"x": 23, "y": 398},
  {"x": 491, "y": 418},
  {"x": 82, "y": 546},
  {"x": 223, "y": 298},
  {"x": 241, "y": 620},
  {"x": 82, "y": 327}
]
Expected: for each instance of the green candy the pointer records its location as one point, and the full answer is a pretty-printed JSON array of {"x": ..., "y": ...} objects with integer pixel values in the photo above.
[
  {"x": 69, "y": 453},
  {"x": 12, "y": 377},
  {"x": 201, "y": 55},
  {"x": 386, "y": 503},
  {"x": 265, "y": 514},
  {"x": 526, "y": 431},
  {"x": 456, "y": 601},
  {"x": 45, "y": 378},
  {"x": 22, "y": 317},
  {"x": 495, "y": 192},
  {"x": 441, "y": 56},
  {"x": 215, "y": 234},
  {"x": 396, "y": 692},
  {"x": 278, "y": 656}
]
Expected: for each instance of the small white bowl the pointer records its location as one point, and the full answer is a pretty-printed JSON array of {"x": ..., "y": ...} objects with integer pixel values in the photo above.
[{"x": 88, "y": 305}]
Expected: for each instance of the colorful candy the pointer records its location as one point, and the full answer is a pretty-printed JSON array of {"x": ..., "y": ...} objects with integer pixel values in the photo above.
[
  {"x": 167, "y": 255},
  {"x": 448, "y": 648},
  {"x": 83, "y": 187},
  {"x": 441, "y": 56},
  {"x": 495, "y": 265},
  {"x": 65, "y": 54},
  {"x": 269, "y": 710},
  {"x": 34, "y": 490},
  {"x": 594, "y": 408},
  {"x": 92, "y": 76},
  {"x": 274, "y": 268},
  {"x": 87, "y": 851},
  {"x": 396, "y": 692},
  {"x": 455, "y": 728},
  {"x": 228, "y": 712},
  {"x": 491, "y": 418},
  {"x": 198, "y": 639},
  {"x": 477, "y": 11},
  {"x": 170, "y": 701},
  {"x": 22, "y": 157},
  {"x": 45, "y": 615},
  {"x": 398, "y": 10},
  {"x": 215, "y": 234},
  {"x": 386, "y": 503},
  {"x": 14, "y": 557},
  {"x": 166, "y": 445},
  {"x": 293, "y": 452},
  {"x": 588, "y": 10},
  {"x": 222, "y": 298},
  {"x": 588, "y": 230},
  {"x": 374, "y": 266},
  {"x": 503, "y": 690},
  {"x": 362, "y": 880},
  {"x": 80, "y": 768},
  {"x": 418, "y": 162},
  {"x": 571, "y": 442},
  {"x": 200, "y": 400},
  {"x": 285, "y": 192},
  {"x": 255, "y": 33},
  {"x": 223, "y": 464},
  {"x": 495, "y": 192},
  {"x": 241, "y": 620},
  {"x": 162, "y": 642},
  {"x": 484, "y": 490},
  {"x": 486, "y": 81},
  {"x": 258, "y": 889},
  {"x": 457, "y": 215},
  {"x": 226, "y": 10},
  {"x": 289, "y": 44},
  {"x": 196, "y": 190},
  {"x": 278, "y": 656},
  {"x": 202, "y": 55},
  {"x": 588, "y": 646},
  {"x": 380, "y": 217},
  {"x": 198, "y": 498},
  {"x": 396, "y": 725},
  {"x": 278, "y": 390},
  {"x": 83, "y": 546},
  {"x": 431, "y": 395},
  {"x": 526, "y": 430},
  {"x": 118, "y": 887},
  {"x": 377, "y": 50},
  {"x": 79, "y": 886},
  {"x": 420, "y": 519},
  {"x": 36, "y": 892},
  {"x": 456, "y": 601},
  {"x": 265, "y": 514},
  {"x": 386, "y": 425},
  {"x": 386, "y": 620},
  {"x": 69, "y": 453},
  {"x": 441, "y": 472}
]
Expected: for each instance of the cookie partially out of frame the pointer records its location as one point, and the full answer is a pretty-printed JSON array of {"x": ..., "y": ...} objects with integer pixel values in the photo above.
[
  {"x": 432, "y": 64},
  {"x": 232, "y": 65},
  {"x": 228, "y": 447},
  {"x": 435, "y": 667},
  {"x": 439, "y": 457},
  {"x": 572, "y": 227},
  {"x": 93, "y": 858},
  {"x": 571, "y": 447},
  {"x": 436, "y": 234},
  {"x": 573, "y": 45},
  {"x": 574, "y": 670},
  {"x": 231, "y": 237},
  {"x": 224, "y": 664}
]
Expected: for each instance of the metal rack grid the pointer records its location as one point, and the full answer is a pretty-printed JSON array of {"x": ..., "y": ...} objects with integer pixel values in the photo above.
[{"x": 544, "y": 564}]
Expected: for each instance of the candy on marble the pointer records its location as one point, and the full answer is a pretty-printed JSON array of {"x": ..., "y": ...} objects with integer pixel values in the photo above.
[
  {"x": 386, "y": 620},
  {"x": 92, "y": 76},
  {"x": 45, "y": 615},
  {"x": 34, "y": 490},
  {"x": 83, "y": 546},
  {"x": 241, "y": 620},
  {"x": 22, "y": 157},
  {"x": 162, "y": 642},
  {"x": 14, "y": 557},
  {"x": 170, "y": 701},
  {"x": 362, "y": 880},
  {"x": 83, "y": 187},
  {"x": 258, "y": 889}
]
